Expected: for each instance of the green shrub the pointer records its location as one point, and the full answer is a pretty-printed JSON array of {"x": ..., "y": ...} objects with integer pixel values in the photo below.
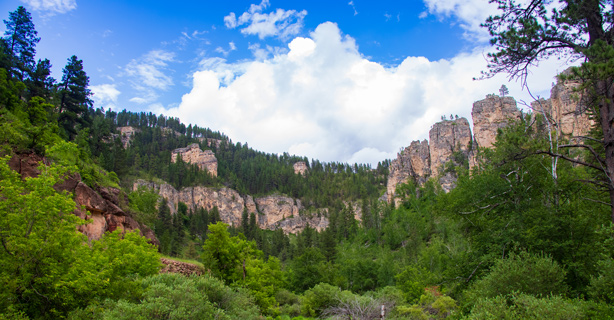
[
  {"x": 318, "y": 298},
  {"x": 174, "y": 296},
  {"x": 525, "y": 306},
  {"x": 527, "y": 273}
]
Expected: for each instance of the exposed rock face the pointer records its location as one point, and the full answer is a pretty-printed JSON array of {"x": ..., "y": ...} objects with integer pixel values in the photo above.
[
  {"x": 184, "y": 268},
  {"x": 101, "y": 207},
  {"x": 126, "y": 134},
  {"x": 446, "y": 138},
  {"x": 566, "y": 108},
  {"x": 300, "y": 168},
  {"x": 413, "y": 162},
  {"x": 192, "y": 154},
  {"x": 273, "y": 212},
  {"x": 276, "y": 208},
  {"x": 490, "y": 115}
]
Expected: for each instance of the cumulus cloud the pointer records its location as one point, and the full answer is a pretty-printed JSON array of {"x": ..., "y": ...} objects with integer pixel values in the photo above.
[
  {"x": 323, "y": 99},
  {"x": 150, "y": 73},
  {"x": 279, "y": 23},
  {"x": 51, "y": 6}
]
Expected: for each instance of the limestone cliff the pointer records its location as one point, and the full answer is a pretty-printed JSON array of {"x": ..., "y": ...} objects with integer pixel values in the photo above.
[
  {"x": 192, "y": 154},
  {"x": 300, "y": 168},
  {"x": 446, "y": 138},
  {"x": 413, "y": 162},
  {"x": 566, "y": 109},
  {"x": 490, "y": 115},
  {"x": 273, "y": 212},
  {"x": 101, "y": 207},
  {"x": 126, "y": 134}
]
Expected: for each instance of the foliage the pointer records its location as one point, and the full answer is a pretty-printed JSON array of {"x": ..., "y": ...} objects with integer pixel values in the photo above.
[
  {"x": 46, "y": 266},
  {"x": 525, "y": 306},
  {"x": 319, "y": 298},
  {"x": 173, "y": 296},
  {"x": 524, "y": 273},
  {"x": 144, "y": 201}
]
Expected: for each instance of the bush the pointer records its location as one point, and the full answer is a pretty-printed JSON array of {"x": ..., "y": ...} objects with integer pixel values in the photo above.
[
  {"x": 174, "y": 296},
  {"x": 525, "y": 306},
  {"x": 527, "y": 273},
  {"x": 318, "y": 298}
]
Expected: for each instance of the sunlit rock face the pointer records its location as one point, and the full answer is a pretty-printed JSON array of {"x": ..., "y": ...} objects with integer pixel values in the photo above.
[
  {"x": 490, "y": 115},
  {"x": 193, "y": 154},
  {"x": 273, "y": 211},
  {"x": 413, "y": 162},
  {"x": 447, "y": 137},
  {"x": 300, "y": 168},
  {"x": 566, "y": 109}
]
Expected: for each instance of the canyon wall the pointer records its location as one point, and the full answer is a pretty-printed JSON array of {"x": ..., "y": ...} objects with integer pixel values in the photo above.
[{"x": 272, "y": 212}]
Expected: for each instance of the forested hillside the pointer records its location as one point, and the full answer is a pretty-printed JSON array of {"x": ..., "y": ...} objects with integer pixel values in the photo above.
[{"x": 524, "y": 232}]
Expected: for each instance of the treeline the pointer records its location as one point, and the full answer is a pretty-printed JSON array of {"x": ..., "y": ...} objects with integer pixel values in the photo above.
[{"x": 239, "y": 167}]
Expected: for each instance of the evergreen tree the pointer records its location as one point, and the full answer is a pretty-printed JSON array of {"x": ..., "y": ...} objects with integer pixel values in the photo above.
[
  {"x": 21, "y": 38},
  {"x": 74, "y": 96}
]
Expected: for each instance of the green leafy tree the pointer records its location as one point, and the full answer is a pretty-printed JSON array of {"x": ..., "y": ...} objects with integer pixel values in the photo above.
[
  {"x": 47, "y": 268},
  {"x": 224, "y": 255}
]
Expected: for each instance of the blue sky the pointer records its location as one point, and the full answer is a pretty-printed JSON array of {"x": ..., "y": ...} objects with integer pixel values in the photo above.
[{"x": 349, "y": 81}]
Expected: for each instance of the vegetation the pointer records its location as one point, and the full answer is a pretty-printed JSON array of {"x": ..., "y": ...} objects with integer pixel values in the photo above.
[{"x": 519, "y": 237}]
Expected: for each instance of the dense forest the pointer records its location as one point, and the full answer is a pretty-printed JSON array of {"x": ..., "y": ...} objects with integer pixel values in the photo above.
[{"x": 520, "y": 236}]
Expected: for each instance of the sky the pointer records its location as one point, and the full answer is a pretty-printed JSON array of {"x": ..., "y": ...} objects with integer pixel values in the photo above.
[{"x": 343, "y": 81}]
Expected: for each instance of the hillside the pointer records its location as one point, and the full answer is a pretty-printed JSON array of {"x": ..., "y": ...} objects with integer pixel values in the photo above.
[{"x": 100, "y": 209}]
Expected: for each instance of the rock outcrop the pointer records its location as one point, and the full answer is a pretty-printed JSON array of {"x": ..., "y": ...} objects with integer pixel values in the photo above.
[
  {"x": 300, "y": 168},
  {"x": 490, "y": 115},
  {"x": 446, "y": 138},
  {"x": 566, "y": 109},
  {"x": 126, "y": 134},
  {"x": 184, "y": 268},
  {"x": 102, "y": 207},
  {"x": 273, "y": 212},
  {"x": 192, "y": 154},
  {"x": 413, "y": 162}
]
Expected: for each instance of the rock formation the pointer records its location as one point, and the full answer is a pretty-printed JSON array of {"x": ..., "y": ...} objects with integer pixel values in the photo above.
[
  {"x": 490, "y": 115},
  {"x": 192, "y": 154},
  {"x": 300, "y": 168},
  {"x": 412, "y": 162},
  {"x": 184, "y": 268},
  {"x": 273, "y": 212},
  {"x": 566, "y": 109},
  {"x": 126, "y": 134},
  {"x": 101, "y": 207},
  {"x": 446, "y": 138}
]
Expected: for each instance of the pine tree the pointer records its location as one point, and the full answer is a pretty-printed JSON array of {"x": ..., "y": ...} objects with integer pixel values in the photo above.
[
  {"x": 74, "y": 96},
  {"x": 21, "y": 39}
]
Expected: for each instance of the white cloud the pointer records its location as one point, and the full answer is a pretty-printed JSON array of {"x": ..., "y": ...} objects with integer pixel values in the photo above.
[
  {"x": 470, "y": 14},
  {"x": 279, "y": 23},
  {"x": 51, "y": 6},
  {"x": 323, "y": 99},
  {"x": 150, "y": 73},
  {"x": 105, "y": 93},
  {"x": 231, "y": 47}
]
